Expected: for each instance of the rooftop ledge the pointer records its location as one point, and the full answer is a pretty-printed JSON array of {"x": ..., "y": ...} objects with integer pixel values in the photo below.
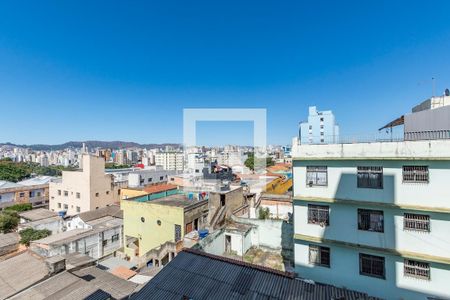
[{"x": 405, "y": 150}]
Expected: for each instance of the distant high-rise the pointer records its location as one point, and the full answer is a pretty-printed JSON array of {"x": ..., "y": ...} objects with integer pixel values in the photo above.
[{"x": 321, "y": 128}]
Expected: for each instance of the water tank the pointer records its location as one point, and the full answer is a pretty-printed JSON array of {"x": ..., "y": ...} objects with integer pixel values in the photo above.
[{"x": 202, "y": 233}]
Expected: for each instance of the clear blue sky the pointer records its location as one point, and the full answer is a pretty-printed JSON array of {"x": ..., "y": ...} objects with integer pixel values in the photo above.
[{"x": 124, "y": 70}]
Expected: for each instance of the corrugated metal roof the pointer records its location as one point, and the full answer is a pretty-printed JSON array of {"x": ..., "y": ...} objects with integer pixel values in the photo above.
[{"x": 198, "y": 275}]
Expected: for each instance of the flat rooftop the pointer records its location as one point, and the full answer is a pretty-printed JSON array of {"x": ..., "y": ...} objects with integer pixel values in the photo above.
[
  {"x": 406, "y": 150},
  {"x": 178, "y": 200},
  {"x": 37, "y": 214}
]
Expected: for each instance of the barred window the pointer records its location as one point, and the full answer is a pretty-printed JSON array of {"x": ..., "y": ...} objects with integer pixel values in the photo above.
[
  {"x": 371, "y": 265},
  {"x": 416, "y": 222},
  {"x": 316, "y": 176},
  {"x": 319, "y": 256},
  {"x": 370, "y": 220},
  {"x": 416, "y": 269},
  {"x": 370, "y": 177},
  {"x": 418, "y": 174},
  {"x": 318, "y": 214},
  {"x": 177, "y": 232}
]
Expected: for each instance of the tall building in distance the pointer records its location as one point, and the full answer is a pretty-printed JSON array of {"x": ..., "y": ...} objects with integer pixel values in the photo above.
[
  {"x": 321, "y": 127},
  {"x": 170, "y": 160},
  {"x": 83, "y": 190}
]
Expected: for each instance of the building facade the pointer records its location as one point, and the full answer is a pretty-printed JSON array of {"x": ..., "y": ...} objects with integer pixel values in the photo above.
[
  {"x": 34, "y": 191},
  {"x": 374, "y": 217},
  {"x": 84, "y": 190},
  {"x": 321, "y": 128},
  {"x": 170, "y": 160}
]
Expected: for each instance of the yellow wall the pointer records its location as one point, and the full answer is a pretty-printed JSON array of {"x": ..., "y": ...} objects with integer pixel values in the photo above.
[
  {"x": 149, "y": 233},
  {"x": 130, "y": 193}
]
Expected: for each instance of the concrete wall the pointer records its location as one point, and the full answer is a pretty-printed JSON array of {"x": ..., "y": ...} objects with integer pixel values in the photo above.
[
  {"x": 147, "y": 177},
  {"x": 269, "y": 233},
  {"x": 342, "y": 182},
  {"x": 344, "y": 271}
]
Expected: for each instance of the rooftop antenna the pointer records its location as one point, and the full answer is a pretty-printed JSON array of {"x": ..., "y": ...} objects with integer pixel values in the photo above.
[{"x": 433, "y": 86}]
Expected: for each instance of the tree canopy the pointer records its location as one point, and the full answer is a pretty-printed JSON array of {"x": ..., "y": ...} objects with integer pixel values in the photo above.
[
  {"x": 30, "y": 234},
  {"x": 17, "y": 171},
  {"x": 250, "y": 161},
  {"x": 8, "y": 221}
]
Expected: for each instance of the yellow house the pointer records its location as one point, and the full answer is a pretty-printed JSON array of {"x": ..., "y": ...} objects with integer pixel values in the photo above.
[{"x": 150, "y": 223}]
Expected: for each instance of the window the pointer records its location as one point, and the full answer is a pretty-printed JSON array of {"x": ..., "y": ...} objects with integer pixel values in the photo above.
[
  {"x": 310, "y": 127},
  {"x": 78, "y": 209},
  {"x": 316, "y": 176},
  {"x": 0, "y": 197},
  {"x": 370, "y": 177},
  {"x": 417, "y": 269},
  {"x": 370, "y": 220},
  {"x": 222, "y": 199},
  {"x": 319, "y": 214},
  {"x": 114, "y": 238},
  {"x": 416, "y": 222},
  {"x": 118, "y": 192},
  {"x": 161, "y": 178},
  {"x": 104, "y": 243},
  {"x": 415, "y": 174},
  {"x": 59, "y": 205},
  {"x": 371, "y": 265},
  {"x": 149, "y": 180},
  {"x": 142, "y": 219},
  {"x": 66, "y": 193},
  {"x": 96, "y": 194},
  {"x": 319, "y": 256},
  {"x": 78, "y": 195},
  {"x": 21, "y": 195},
  {"x": 38, "y": 194},
  {"x": 31, "y": 194},
  {"x": 66, "y": 206},
  {"x": 107, "y": 192},
  {"x": 59, "y": 192},
  {"x": 177, "y": 232}
]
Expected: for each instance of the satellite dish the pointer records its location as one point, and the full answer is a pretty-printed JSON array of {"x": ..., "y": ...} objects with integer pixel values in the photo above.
[{"x": 447, "y": 92}]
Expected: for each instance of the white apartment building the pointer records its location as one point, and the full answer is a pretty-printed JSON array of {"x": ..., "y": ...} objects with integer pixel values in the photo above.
[
  {"x": 170, "y": 160},
  {"x": 86, "y": 189},
  {"x": 374, "y": 217},
  {"x": 141, "y": 178}
]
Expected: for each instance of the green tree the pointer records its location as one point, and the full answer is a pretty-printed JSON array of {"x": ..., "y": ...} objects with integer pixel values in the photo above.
[
  {"x": 30, "y": 234},
  {"x": 250, "y": 161},
  {"x": 19, "y": 207},
  {"x": 263, "y": 213},
  {"x": 8, "y": 221}
]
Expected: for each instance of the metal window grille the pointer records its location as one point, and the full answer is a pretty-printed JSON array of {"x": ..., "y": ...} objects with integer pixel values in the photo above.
[
  {"x": 370, "y": 177},
  {"x": 416, "y": 222},
  {"x": 370, "y": 220},
  {"x": 318, "y": 214},
  {"x": 371, "y": 265},
  {"x": 177, "y": 233},
  {"x": 416, "y": 174},
  {"x": 319, "y": 255},
  {"x": 316, "y": 176},
  {"x": 417, "y": 269}
]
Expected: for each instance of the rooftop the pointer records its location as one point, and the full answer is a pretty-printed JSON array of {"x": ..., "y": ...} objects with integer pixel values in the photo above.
[
  {"x": 197, "y": 275},
  {"x": 411, "y": 150},
  {"x": 159, "y": 188},
  {"x": 111, "y": 210},
  {"x": 8, "y": 184},
  {"x": 37, "y": 214},
  {"x": 178, "y": 200},
  {"x": 8, "y": 239},
  {"x": 38, "y": 180}
]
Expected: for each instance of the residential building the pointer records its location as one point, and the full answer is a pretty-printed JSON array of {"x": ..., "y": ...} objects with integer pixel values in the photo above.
[
  {"x": 143, "y": 177},
  {"x": 34, "y": 190},
  {"x": 9, "y": 243},
  {"x": 321, "y": 127},
  {"x": 279, "y": 206},
  {"x": 170, "y": 160},
  {"x": 151, "y": 191},
  {"x": 84, "y": 190},
  {"x": 197, "y": 275},
  {"x": 41, "y": 218},
  {"x": 374, "y": 217},
  {"x": 149, "y": 223}
]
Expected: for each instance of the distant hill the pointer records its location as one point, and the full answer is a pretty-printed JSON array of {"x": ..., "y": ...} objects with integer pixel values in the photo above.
[{"x": 92, "y": 144}]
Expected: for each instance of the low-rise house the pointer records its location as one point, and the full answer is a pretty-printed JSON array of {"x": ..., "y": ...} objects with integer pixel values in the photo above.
[
  {"x": 197, "y": 275},
  {"x": 279, "y": 206},
  {"x": 41, "y": 218},
  {"x": 100, "y": 238},
  {"x": 82, "y": 221},
  {"x": 34, "y": 190}
]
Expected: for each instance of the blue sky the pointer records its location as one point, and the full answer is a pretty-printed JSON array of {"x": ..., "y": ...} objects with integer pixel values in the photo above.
[{"x": 124, "y": 70}]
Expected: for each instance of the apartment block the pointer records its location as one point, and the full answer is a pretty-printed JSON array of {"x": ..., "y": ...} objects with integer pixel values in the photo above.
[
  {"x": 374, "y": 217},
  {"x": 83, "y": 190},
  {"x": 170, "y": 160},
  {"x": 320, "y": 128},
  {"x": 33, "y": 190}
]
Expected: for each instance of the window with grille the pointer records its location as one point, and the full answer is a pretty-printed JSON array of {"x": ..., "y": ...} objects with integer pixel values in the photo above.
[
  {"x": 370, "y": 220},
  {"x": 316, "y": 176},
  {"x": 415, "y": 174},
  {"x": 370, "y": 177},
  {"x": 177, "y": 232},
  {"x": 371, "y": 265},
  {"x": 319, "y": 256},
  {"x": 416, "y": 269},
  {"x": 416, "y": 222},
  {"x": 319, "y": 214}
]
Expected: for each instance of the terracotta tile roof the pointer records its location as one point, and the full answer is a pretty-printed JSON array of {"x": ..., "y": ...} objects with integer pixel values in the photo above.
[
  {"x": 152, "y": 189},
  {"x": 123, "y": 272}
]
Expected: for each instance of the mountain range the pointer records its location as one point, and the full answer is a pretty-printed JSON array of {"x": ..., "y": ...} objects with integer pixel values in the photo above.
[{"x": 92, "y": 144}]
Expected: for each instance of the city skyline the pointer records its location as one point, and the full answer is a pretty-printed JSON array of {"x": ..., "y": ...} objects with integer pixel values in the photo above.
[{"x": 72, "y": 76}]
